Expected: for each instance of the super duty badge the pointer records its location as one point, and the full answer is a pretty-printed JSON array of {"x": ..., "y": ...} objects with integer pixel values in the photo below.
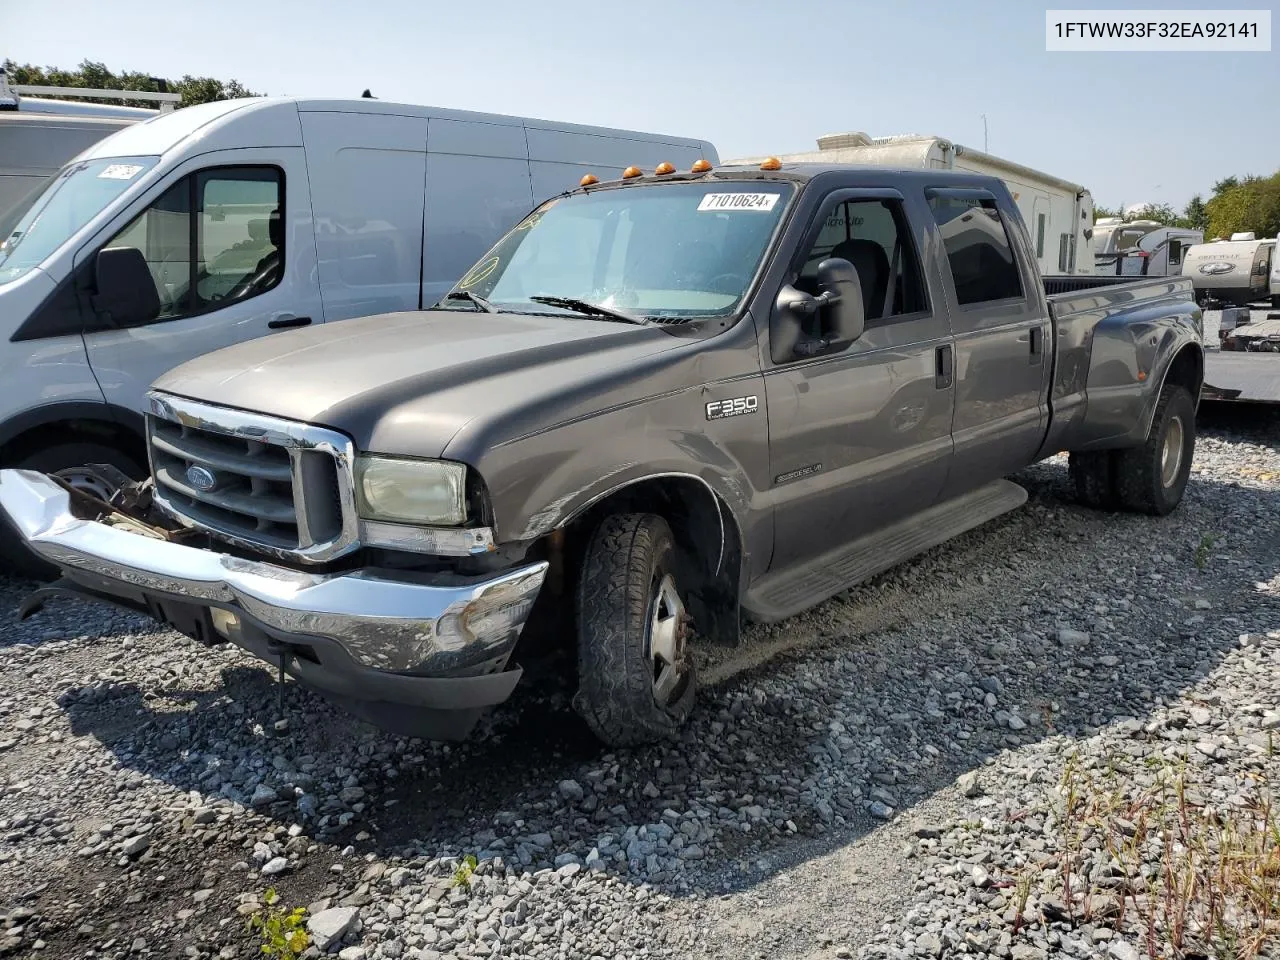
[{"x": 735, "y": 407}]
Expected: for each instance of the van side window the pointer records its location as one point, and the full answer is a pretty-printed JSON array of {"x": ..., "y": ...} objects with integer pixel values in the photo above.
[
  {"x": 978, "y": 249},
  {"x": 873, "y": 236},
  {"x": 213, "y": 238}
]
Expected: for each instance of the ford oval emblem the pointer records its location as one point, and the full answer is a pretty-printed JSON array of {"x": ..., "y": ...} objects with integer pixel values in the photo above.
[
  {"x": 1217, "y": 267},
  {"x": 201, "y": 478}
]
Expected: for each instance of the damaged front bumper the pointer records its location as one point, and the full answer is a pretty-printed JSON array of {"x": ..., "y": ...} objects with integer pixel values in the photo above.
[{"x": 421, "y": 654}]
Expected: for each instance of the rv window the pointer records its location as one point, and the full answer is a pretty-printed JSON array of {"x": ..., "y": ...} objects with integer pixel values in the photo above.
[
  {"x": 238, "y": 233},
  {"x": 873, "y": 236},
  {"x": 978, "y": 249},
  {"x": 1175, "y": 252},
  {"x": 1039, "y": 236},
  {"x": 1064, "y": 244}
]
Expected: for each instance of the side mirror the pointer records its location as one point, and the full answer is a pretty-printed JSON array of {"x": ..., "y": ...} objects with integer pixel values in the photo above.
[
  {"x": 805, "y": 325},
  {"x": 842, "y": 288},
  {"x": 127, "y": 295}
]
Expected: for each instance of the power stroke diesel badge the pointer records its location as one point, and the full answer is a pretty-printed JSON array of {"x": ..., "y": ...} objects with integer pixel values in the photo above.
[{"x": 735, "y": 407}]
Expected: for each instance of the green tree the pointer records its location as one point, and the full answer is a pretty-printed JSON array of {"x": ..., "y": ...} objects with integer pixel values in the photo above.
[
  {"x": 1225, "y": 184},
  {"x": 1159, "y": 212},
  {"x": 1248, "y": 204},
  {"x": 1102, "y": 213},
  {"x": 92, "y": 75},
  {"x": 1195, "y": 216}
]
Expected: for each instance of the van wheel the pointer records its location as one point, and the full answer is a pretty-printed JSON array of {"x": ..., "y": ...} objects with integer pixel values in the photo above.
[
  {"x": 1153, "y": 477},
  {"x": 636, "y": 678},
  {"x": 1093, "y": 476},
  {"x": 72, "y": 463}
]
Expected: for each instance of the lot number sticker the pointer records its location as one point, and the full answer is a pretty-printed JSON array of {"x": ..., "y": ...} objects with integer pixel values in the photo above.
[
  {"x": 759, "y": 202},
  {"x": 120, "y": 171}
]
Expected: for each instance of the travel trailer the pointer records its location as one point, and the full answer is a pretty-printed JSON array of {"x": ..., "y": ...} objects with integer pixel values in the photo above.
[
  {"x": 38, "y": 135},
  {"x": 227, "y": 221},
  {"x": 1145, "y": 248},
  {"x": 1231, "y": 271},
  {"x": 1058, "y": 214}
]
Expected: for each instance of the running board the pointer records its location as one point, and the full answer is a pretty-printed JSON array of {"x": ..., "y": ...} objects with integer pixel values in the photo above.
[{"x": 777, "y": 596}]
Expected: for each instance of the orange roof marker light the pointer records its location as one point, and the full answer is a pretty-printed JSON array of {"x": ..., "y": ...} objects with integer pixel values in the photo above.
[
  {"x": 630, "y": 173},
  {"x": 588, "y": 180},
  {"x": 701, "y": 166},
  {"x": 665, "y": 168},
  {"x": 773, "y": 163}
]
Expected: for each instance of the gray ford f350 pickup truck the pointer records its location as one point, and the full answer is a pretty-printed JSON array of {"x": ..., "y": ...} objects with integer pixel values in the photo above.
[{"x": 657, "y": 403}]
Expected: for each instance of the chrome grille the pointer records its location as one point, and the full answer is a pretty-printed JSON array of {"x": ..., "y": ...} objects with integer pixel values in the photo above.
[{"x": 269, "y": 484}]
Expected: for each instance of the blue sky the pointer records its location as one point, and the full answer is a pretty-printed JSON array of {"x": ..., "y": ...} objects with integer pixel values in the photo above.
[{"x": 750, "y": 76}]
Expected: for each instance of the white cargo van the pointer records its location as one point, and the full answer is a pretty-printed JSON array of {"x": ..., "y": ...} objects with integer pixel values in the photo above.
[
  {"x": 1058, "y": 214},
  {"x": 227, "y": 221},
  {"x": 38, "y": 135}
]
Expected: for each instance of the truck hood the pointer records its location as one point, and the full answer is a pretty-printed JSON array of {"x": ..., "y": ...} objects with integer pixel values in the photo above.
[{"x": 407, "y": 383}]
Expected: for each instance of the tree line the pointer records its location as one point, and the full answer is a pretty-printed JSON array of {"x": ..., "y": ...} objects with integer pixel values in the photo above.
[
  {"x": 1238, "y": 204},
  {"x": 95, "y": 76}
]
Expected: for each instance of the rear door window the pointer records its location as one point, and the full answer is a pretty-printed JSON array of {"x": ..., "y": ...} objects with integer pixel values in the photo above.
[{"x": 979, "y": 252}]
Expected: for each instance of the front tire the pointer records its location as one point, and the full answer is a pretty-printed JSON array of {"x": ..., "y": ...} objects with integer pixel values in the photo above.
[
  {"x": 1152, "y": 478},
  {"x": 636, "y": 676}
]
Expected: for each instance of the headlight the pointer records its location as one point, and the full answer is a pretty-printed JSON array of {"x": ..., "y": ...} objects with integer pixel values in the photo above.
[{"x": 429, "y": 492}]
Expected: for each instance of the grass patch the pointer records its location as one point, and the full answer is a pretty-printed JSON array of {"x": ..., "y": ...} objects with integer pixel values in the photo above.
[{"x": 1188, "y": 878}]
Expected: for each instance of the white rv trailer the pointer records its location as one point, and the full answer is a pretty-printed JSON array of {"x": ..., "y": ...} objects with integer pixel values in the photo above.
[
  {"x": 1058, "y": 214},
  {"x": 38, "y": 136},
  {"x": 1140, "y": 247}
]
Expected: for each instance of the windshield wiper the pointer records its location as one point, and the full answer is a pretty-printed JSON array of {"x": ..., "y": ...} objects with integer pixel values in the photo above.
[
  {"x": 470, "y": 297},
  {"x": 590, "y": 309}
]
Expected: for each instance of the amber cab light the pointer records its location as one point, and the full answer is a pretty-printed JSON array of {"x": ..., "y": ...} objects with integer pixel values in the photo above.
[
  {"x": 664, "y": 168},
  {"x": 773, "y": 163},
  {"x": 701, "y": 166},
  {"x": 630, "y": 173},
  {"x": 588, "y": 180}
]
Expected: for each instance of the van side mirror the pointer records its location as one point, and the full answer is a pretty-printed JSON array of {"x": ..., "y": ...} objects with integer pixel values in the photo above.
[
  {"x": 126, "y": 292},
  {"x": 806, "y": 325}
]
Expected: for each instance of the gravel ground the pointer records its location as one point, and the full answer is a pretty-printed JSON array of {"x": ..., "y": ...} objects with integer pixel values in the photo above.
[{"x": 882, "y": 777}]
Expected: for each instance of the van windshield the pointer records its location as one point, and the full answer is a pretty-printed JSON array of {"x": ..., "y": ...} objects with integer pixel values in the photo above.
[
  {"x": 72, "y": 198},
  {"x": 674, "y": 251}
]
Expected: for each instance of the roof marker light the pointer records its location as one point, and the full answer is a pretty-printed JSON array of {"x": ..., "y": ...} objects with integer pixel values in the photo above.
[
  {"x": 773, "y": 163},
  {"x": 588, "y": 180},
  {"x": 665, "y": 168},
  {"x": 630, "y": 173},
  {"x": 701, "y": 166}
]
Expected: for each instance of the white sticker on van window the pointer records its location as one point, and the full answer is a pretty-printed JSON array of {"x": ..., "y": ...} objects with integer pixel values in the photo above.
[
  {"x": 760, "y": 202},
  {"x": 120, "y": 171}
]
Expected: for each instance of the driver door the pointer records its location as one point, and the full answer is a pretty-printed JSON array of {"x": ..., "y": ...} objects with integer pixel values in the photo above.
[{"x": 229, "y": 244}]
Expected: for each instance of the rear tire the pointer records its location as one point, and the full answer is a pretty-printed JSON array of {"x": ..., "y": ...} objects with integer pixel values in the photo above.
[
  {"x": 636, "y": 676},
  {"x": 1093, "y": 476},
  {"x": 68, "y": 461},
  {"x": 1152, "y": 478}
]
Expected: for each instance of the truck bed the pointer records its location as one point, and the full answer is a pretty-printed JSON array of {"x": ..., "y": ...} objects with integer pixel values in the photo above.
[{"x": 1079, "y": 294}]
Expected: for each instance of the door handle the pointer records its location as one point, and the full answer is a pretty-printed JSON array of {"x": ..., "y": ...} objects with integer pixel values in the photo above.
[
  {"x": 943, "y": 359},
  {"x": 1037, "y": 345},
  {"x": 280, "y": 323}
]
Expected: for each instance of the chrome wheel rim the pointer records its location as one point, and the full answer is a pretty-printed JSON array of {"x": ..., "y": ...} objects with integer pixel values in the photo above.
[
  {"x": 1171, "y": 453},
  {"x": 85, "y": 480},
  {"x": 668, "y": 634}
]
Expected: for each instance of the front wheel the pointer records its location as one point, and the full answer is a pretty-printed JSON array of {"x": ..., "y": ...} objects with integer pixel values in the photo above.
[
  {"x": 636, "y": 678},
  {"x": 1153, "y": 477}
]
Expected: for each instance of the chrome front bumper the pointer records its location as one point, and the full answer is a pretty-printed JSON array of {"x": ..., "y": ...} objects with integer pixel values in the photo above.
[{"x": 435, "y": 640}]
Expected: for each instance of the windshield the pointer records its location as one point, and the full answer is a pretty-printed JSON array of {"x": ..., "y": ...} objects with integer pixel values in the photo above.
[
  {"x": 673, "y": 251},
  {"x": 71, "y": 199}
]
